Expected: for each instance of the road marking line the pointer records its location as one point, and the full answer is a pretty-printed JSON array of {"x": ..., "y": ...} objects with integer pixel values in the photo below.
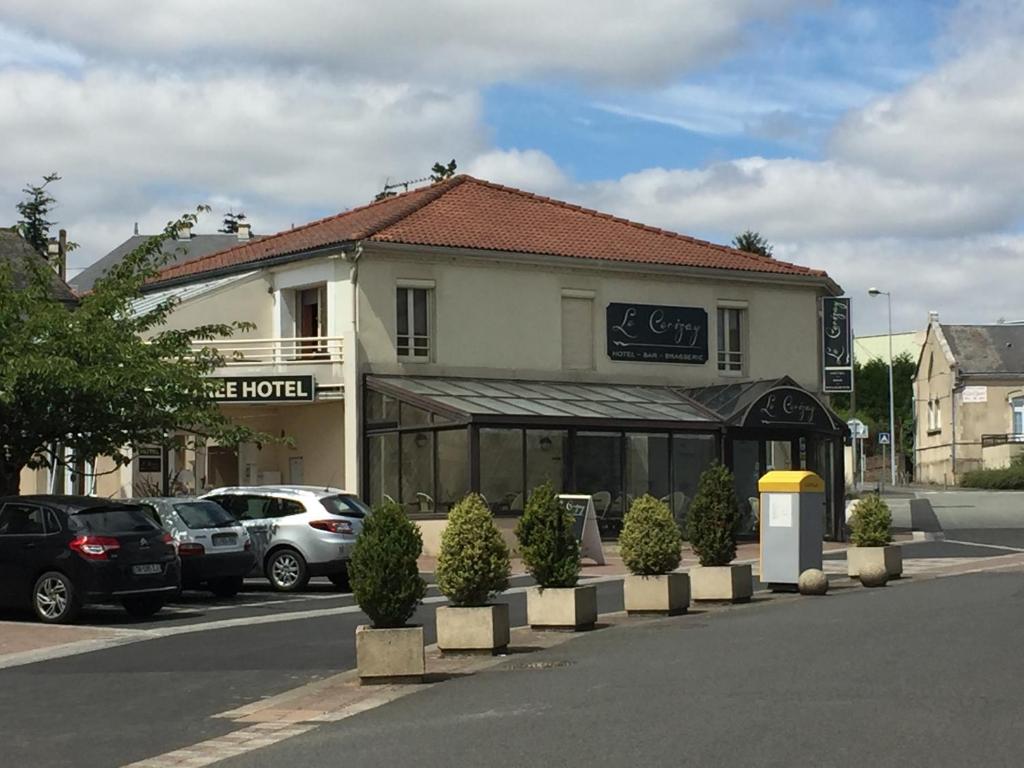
[
  {"x": 985, "y": 546},
  {"x": 220, "y": 748}
]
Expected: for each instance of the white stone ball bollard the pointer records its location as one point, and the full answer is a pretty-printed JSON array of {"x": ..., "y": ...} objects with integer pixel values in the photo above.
[
  {"x": 813, "y": 582},
  {"x": 874, "y": 575}
]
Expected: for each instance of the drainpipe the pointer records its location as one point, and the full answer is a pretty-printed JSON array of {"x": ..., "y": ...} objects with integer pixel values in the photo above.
[
  {"x": 957, "y": 386},
  {"x": 351, "y": 380}
]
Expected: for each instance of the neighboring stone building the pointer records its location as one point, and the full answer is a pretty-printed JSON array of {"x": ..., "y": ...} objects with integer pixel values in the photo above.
[
  {"x": 969, "y": 399},
  {"x": 876, "y": 347},
  {"x": 20, "y": 257}
]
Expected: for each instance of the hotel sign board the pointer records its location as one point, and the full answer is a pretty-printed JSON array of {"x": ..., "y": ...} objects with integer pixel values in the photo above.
[
  {"x": 837, "y": 344},
  {"x": 264, "y": 389},
  {"x": 647, "y": 333}
]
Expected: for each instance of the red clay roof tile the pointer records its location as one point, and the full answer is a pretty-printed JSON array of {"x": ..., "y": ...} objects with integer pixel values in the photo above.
[{"x": 464, "y": 212}]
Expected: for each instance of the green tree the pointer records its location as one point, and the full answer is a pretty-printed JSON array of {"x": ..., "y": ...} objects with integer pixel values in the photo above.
[
  {"x": 871, "y": 382},
  {"x": 34, "y": 225},
  {"x": 231, "y": 222},
  {"x": 99, "y": 379},
  {"x": 752, "y": 242},
  {"x": 474, "y": 562},
  {"x": 383, "y": 572},
  {"x": 650, "y": 542},
  {"x": 546, "y": 540},
  {"x": 440, "y": 171},
  {"x": 714, "y": 519}
]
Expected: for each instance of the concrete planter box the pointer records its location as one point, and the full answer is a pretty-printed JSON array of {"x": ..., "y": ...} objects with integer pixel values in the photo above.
[
  {"x": 482, "y": 629},
  {"x": 562, "y": 607},
  {"x": 722, "y": 583},
  {"x": 668, "y": 594},
  {"x": 891, "y": 557},
  {"x": 390, "y": 655}
]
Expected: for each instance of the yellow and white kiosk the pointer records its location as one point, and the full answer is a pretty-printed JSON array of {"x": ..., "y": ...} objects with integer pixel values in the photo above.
[{"x": 792, "y": 526}]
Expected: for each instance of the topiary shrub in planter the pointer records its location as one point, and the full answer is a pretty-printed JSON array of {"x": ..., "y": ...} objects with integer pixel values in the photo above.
[
  {"x": 714, "y": 523},
  {"x": 551, "y": 554},
  {"x": 869, "y": 525},
  {"x": 387, "y": 585},
  {"x": 473, "y": 567},
  {"x": 651, "y": 546}
]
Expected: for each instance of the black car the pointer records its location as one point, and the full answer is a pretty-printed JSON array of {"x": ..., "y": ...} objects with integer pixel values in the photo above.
[{"x": 58, "y": 553}]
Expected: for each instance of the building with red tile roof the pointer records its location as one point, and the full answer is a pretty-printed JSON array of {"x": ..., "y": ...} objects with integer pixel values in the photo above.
[{"x": 471, "y": 214}]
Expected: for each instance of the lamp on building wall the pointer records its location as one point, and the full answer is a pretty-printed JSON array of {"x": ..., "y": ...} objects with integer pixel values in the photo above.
[
  {"x": 421, "y": 439},
  {"x": 545, "y": 443},
  {"x": 892, "y": 409}
]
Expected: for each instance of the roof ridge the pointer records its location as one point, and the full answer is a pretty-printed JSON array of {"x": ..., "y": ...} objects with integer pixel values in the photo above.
[
  {"x": 755, "y": 257},
  {"x": 446, "y": 183}
]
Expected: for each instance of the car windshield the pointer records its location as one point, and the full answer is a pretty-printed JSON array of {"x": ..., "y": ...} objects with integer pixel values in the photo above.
[
  {"x": 348, "y": 506},
  {"x": 204, "y": 514},
  {"x": 112, "y": 520}
]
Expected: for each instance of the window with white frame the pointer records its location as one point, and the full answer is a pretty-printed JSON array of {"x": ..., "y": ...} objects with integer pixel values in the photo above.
[
  {"x": 931, "y": 414},
  {"x": 412, "y": 339},
  {"x": 1017, "y": 405},
  {"x": 934, "y": 415},
  {"x": 730, "y": 339}
]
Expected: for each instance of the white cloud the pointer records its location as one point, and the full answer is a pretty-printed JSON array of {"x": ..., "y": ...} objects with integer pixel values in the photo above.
[
  {"x": 454, "y": 40},
  {"x": 961, "y": 123},
  {"x": 790, "y": 198},
  {"x": 529, "y": 169},
  {"x": 965, "y": 279},
  {"x": 281, "y": 145}
]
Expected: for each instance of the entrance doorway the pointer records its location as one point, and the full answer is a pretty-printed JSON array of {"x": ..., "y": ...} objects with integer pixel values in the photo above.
[{"x": 221, "y": 467}]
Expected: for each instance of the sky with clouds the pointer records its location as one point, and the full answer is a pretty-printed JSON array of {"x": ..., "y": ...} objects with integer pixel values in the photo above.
[{"x": 878, "y": 140}]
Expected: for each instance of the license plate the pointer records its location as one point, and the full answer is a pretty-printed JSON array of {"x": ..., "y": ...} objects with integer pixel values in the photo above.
[
  {"x": 224, "y": 539},
  {"x": 147, "y": 570}
]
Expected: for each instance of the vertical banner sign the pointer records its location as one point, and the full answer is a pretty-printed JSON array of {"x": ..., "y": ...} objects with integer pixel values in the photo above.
[{"x": 837, "y": 345}]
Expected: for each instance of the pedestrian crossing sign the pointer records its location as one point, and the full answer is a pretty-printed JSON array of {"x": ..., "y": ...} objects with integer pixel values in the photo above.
[{"x": 883, "y": 438}]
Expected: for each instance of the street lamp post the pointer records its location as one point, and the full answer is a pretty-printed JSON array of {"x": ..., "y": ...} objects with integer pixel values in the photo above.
[{"x": 892, "y": 409}]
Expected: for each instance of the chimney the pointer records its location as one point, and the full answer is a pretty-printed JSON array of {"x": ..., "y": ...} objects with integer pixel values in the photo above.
[
  {"x": 185, "y": 232},
  {"x": 62, "y": 242},
  {"x": 244, "y": 230},
  {"x": 136, "y": 228},
  {"x": 56, "y": 254},
  {"x": 933, "y": 317}
]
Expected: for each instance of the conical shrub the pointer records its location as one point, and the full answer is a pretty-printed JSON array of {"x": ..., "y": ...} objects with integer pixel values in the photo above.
[
  {"x": 714, "y": 519},
  {"x": 870, "y": 522},
  {"x": 474, "y": 564},
  {"x": 650, "y": 542},
  {"x": 546, "y": 541},
  {"x": 383, "y": 572}
]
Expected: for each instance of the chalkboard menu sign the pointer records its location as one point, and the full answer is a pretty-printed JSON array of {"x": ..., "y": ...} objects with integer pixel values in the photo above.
[
  {"x": 837, "y": 344},
  {"x": 646, "y": 333},
  {"x": 787, "y": 407},
  {"x": 584, "y": 525}
]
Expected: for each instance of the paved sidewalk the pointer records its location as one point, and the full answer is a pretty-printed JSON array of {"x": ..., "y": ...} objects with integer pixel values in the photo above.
[{"x": 24, "y": 637}]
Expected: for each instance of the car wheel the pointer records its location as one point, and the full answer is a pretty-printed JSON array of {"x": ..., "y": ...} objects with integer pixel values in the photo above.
[
  {"x": 227, "y": 587},
  {"x": 340, "y": 580},
  {"x": 143, "y": 606},
  {"x": 55, "y": 599},
  {"x": 287, "y": 571}
]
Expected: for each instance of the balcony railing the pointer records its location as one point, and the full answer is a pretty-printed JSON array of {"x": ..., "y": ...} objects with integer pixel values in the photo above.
[
  {"x": 303, "y": 350},
  {"x": 988, "y": 441}
]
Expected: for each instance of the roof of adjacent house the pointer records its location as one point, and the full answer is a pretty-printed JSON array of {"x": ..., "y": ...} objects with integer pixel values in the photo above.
[
  {"x": 465, "y": 212},
  {"x": 15, "y": 251},
  {"x": 180, "y": 251},
  {"x": 986, "y": 349}
]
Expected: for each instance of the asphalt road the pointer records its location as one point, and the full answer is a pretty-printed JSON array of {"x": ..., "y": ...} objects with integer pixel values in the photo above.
[
  {"x": 129, "y": 702},
  {"x": 203, "y": 656},
  {"x": 915, "y": 674}
]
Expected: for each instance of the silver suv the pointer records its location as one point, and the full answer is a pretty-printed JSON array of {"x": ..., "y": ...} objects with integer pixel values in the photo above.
[{"x": 297, "y": 531}]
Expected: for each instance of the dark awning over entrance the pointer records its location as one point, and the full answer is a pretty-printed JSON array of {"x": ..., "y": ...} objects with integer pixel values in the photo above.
[{"x": 766, "y": 404}]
